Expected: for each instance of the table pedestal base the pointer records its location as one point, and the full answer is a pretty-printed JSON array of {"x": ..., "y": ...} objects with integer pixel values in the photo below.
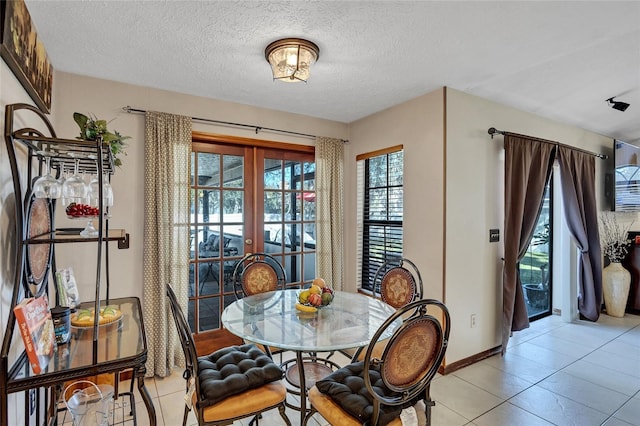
[{"x": 313, "y": 371}]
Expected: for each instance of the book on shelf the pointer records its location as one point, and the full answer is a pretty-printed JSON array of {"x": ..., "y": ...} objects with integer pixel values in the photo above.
[
  {"x": 67, "y": 288},
  {"x": 36, "y": 328}
]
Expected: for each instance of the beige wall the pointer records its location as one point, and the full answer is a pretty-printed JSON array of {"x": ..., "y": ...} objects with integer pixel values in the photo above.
[
  {"x": 105, "y": 100},
  {"x": 446, "y": 226},
  {"x": 474, "y": 204},
  {"x": 418, "y": 125}
]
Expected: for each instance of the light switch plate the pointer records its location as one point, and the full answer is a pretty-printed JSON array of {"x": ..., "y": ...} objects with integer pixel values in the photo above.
[{"x": 494, "y": 235}]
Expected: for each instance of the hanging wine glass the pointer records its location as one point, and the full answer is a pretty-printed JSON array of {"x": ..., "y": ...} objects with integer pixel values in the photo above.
[
  {"x": 107, "y": 192},
  {"x": 47, "y": 186},
  {"x": 74, "y": 190},
  {"x": 61, "y": 179}
]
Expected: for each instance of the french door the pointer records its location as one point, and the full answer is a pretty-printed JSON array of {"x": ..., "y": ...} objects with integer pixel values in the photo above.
[{"x": 246, "y": 199}]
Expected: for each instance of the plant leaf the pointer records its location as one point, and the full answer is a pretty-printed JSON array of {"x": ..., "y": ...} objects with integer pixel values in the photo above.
[{"x": 80, "y": 119}]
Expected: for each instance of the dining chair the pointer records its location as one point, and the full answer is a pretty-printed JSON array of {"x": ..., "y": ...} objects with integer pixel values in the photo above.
[
  {"x": 376, "y": 390},
  {"x": 397, "y": 282},
  {"x": 259, "y": 273},
  {"x": 229, "y": 384}
]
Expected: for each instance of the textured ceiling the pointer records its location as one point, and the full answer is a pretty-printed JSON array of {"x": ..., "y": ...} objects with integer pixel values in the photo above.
[{"x": 557, "y": 59}]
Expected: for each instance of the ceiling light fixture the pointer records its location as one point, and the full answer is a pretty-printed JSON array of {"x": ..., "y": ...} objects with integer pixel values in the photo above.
[
  {"x": 619, "y": 105},
  {"x": 291, "y": 58}
]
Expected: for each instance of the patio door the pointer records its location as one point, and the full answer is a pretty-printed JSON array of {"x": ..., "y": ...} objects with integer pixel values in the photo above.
[
  {"x": 535, "y": 266},
  {"x": 246, "y": 199}
]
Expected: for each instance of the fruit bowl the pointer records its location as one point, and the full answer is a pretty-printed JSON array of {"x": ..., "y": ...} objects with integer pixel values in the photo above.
[
  {"x": 85, "y": 212},
  {"x": 318, "y": 296}
]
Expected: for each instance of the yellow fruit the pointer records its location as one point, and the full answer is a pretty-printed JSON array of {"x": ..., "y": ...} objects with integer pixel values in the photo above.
[
  {"x": 305, "y": 308},
  {"x": 319, "y": 282},
  {"x": 303, "y": 297},
  {"x": 314, "y": 289}
]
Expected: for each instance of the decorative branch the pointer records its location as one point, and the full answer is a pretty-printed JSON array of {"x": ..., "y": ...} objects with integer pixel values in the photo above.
[{"x": 614, "y": 235}]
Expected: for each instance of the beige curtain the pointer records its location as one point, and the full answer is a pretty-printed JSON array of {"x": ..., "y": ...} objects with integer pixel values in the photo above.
[
  {"x": 166, "y": 234},
  {"x": 329, "y": 210}
]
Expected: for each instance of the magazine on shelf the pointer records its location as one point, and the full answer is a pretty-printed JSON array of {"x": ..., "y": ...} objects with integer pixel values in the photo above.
[
  {"x": 36, "y": 328},
  {"x": 67, "y": 288}
]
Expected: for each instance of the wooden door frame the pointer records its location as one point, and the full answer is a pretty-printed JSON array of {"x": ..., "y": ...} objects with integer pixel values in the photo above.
[{"x": 209, "y": 340}]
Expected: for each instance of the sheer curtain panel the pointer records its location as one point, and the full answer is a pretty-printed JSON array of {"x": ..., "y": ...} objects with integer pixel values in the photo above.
[
  {"x": 329, "y": 210},
  {"x": 166, "y": 234}
]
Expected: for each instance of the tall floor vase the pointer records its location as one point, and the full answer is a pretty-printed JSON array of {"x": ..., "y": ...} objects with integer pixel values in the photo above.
[{"x": 615, "y": 288}]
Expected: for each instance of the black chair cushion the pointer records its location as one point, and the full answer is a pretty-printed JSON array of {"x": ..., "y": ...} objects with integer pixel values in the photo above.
[
  {"x": 233, "y": 370},
  {"x": 346, "y": 387}
]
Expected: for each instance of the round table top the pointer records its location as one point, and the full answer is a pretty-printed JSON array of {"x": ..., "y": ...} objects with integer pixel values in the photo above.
[{"x": 271, "y": 319}]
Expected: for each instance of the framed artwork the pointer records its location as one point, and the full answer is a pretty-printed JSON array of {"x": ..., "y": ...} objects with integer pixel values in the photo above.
[{"x": 24, "y": 53}]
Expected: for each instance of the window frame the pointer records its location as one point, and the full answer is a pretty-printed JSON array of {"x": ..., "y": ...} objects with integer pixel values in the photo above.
[{"x": 393, "y": 244}]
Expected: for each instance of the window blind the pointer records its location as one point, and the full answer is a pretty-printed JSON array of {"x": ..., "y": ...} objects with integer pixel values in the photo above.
[{"x": 380, "y": 185}]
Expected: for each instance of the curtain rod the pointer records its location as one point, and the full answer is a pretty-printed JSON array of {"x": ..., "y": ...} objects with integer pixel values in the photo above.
[
  {"x": 228, "y": 123},
  {"x": 493, "y": 131}
]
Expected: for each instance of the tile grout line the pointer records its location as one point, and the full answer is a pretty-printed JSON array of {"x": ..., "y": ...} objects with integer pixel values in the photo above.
[{"x": 546, "y": 377}]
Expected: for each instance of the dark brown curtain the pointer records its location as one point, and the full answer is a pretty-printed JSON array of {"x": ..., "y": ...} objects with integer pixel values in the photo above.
[
  {"x": 578, "y": 177},
  {"x": 528, "y": 164}
]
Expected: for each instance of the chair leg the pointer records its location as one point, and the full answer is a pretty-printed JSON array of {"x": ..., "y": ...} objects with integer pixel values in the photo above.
[
  {"x": 186, "y": 415},
  {"x": 310, "y": 414},
  {"x": 282, "y": 408},
  {"x": 428, "y": 403}
]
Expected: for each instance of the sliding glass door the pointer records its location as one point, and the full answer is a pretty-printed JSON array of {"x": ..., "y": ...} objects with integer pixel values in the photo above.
[{"x": 535, "y": 267}]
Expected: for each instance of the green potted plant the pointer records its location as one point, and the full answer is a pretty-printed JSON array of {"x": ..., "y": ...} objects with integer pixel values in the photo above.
[{"x": 91, "y": 128}]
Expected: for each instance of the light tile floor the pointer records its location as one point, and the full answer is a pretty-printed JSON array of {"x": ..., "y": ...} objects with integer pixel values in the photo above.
[{"x": 554, "y": 373}]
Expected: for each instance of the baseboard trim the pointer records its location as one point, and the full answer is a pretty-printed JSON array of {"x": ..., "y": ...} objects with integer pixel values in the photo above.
[{"x": 450, "y": 368}]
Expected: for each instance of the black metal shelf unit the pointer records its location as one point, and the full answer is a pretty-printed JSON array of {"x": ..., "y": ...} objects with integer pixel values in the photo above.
[{"x": 27, "y": 150}]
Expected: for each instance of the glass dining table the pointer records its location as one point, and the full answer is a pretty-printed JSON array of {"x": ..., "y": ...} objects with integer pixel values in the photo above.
[{"x": 271, "y": 319}]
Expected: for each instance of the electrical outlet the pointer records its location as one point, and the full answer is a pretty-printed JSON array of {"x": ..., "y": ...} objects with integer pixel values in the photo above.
[{"x": 472, "y": 322}]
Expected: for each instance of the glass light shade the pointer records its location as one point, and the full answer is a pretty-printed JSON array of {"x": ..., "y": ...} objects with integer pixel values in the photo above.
[{"x": 291, "y": 59}]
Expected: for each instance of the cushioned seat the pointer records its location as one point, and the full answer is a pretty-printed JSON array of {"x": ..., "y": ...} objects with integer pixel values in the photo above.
[
  {"x": 376, "y": 390},
  {"x": 254, "y": 400},
  {"x": 333, "y": 413},
  {"x": 229, "y": 384},
  {"x": 347, "y": 385},
  {"x": 232, "y": 370}
]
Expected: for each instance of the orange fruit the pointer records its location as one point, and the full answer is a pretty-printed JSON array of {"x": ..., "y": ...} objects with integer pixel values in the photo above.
[{"x": 319, "y": 282}]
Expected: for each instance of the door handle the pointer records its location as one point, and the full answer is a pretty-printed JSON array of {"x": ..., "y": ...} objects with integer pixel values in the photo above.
[{"x": 248, "y": 241}]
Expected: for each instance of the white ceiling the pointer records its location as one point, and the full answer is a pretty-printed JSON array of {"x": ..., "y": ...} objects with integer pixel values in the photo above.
[{"x": 558, "y": 59}]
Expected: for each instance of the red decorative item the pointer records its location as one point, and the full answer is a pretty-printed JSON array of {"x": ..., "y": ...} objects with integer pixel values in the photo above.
[{"x": 36, "y": 328}]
